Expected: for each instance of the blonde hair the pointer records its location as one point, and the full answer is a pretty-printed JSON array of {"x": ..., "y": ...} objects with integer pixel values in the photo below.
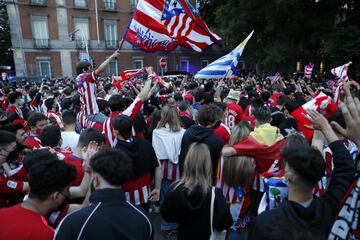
[
  {"x": 170, "y": 116},
  {"x": 241, "y": 131},
  {"x": 239, "y": 171},
  {"x": 197, "y": 168}
]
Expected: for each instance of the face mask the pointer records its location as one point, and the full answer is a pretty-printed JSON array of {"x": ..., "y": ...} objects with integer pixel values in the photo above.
[
  {"x": 38, "y": 131},
  {"x": 217, "y": 124}
]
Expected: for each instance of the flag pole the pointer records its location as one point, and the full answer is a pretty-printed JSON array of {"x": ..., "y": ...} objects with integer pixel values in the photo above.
[
  {"x": 226, "y": 73},
  {"x": 121, "y": 44}
]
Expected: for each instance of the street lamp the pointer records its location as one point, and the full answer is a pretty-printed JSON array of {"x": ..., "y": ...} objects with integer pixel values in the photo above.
[{"x": 72, "y": 37}]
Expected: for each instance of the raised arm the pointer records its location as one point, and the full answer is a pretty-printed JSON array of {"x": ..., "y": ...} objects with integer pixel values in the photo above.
[
  {"x": 344, "y": 170},
  {"x": 87, "y": 152},
  {"x": 103, "y": 66}
]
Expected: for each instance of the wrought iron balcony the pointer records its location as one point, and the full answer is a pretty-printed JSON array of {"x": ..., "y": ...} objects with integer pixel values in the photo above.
[
  {"x": 82, "y": 4},
  {"x": 37, "y": 2},
  {"x": 41, "y": 42},
  {"x": 81, "y": 44},
  {"x": 111, "y": 44}
]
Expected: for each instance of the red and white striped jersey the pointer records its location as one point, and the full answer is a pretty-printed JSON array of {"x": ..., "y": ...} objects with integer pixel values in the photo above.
[
  {"x": 35, "y": 105},
  {"x": 138, "y": 191},
  {"x": 14, "y": 109},
  {"x": 86, "y": 83},
  {"x": 131, "y": 112},
  {"x": 327, "y": 154},
  {"x": 237, "y": 197},
  {"x": 170, "y": 171},
  {"x": 57, "y": 117},
  {"x": 85, "y": 122}
]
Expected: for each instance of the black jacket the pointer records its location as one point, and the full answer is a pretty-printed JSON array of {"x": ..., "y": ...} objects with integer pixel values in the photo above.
[
  {"x": 200, "y": 134},
  {"x": 142, "y": 154},
  {"x": 292, "y": 217},
  {"x": 192, "y": 212},
  {"x": 186, "y": 121},
  {"x": 108, "y": 217}
]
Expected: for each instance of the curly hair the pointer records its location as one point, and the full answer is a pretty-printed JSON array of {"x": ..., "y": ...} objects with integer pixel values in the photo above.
[
  {"x": 209, "y": 114},
  {"x": 49, "y": 177}
]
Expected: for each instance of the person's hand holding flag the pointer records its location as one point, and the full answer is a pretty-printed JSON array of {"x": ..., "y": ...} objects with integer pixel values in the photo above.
[{"x": 351, "y": 111}]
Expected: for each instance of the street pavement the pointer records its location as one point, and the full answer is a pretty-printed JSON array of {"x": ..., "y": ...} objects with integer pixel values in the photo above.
[{"x": 155, "y": 219}]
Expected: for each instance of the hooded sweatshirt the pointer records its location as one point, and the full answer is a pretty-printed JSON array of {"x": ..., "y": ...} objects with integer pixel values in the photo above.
[
  {"x": 192, "y": 212},
  {"x": 144, "y": 162},
  {"x": 201, "y": 134},
  {"x": 320, "y": 214},
  {"x": 266, "y": 134}
]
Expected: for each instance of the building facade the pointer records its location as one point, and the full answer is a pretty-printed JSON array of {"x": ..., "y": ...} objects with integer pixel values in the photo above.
[{"x": 50, "y": 36}]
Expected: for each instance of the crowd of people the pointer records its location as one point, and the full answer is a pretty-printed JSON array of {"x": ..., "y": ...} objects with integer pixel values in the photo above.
[{"x": 241, "y": 158}]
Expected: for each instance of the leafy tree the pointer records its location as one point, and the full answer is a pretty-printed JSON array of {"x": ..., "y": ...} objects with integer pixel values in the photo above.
[
  {"x": 6, "y": 56},
  {"x": 287, "y": 31}
]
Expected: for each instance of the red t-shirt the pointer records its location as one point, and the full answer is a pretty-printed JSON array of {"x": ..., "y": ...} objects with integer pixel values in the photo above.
[
  {"x": 235, "y": 115},
  {"x": 224, "y": 133},
  {"x": 77, "y": 162},
  {"x": 19, "y": 223}
]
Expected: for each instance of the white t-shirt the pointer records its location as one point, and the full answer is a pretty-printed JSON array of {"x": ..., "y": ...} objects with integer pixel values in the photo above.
[{"x": 69, "y": 139}]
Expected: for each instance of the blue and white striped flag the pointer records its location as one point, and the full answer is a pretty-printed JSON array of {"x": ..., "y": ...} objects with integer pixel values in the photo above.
[{"x": 225, "y": 66}]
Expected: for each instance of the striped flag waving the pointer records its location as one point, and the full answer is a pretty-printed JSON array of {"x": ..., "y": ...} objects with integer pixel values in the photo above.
[
  {"x": 225, "y": 66},
  {"x": 308, "y": 70},
  {"x": 341, "y": 73},
  {"x": 161, "y": 25}
]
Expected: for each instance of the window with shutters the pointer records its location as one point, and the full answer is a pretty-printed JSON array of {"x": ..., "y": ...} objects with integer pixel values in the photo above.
[
  {"x": 111, "y": 34},
  {"x": 110, "y": 5},
  {"x": 82, "y": 34},
  {"x": 44, "y": 68},
  {"x": 138, "y": 63},
  {"x": 112, "y": 68},
  {"x": 40, "y": 31}
]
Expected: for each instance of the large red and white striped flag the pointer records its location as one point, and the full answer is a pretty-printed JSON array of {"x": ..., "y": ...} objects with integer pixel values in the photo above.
[
  {"x": 161, "y": 25},
  {"x": 341, "y": 73}
]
